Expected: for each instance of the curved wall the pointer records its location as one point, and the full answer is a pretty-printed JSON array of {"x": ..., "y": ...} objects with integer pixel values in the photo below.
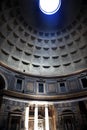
[{"x": 42, "y": 88}]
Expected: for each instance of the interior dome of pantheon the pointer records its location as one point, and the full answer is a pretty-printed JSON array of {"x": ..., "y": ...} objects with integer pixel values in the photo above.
[
  {"x": 43, "y": 65},
  {"x": 43, "y": 45}
]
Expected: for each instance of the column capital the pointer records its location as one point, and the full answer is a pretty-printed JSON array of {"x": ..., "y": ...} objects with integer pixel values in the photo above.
[
  {"x": 36, "y": 105},
  {"x": 46, "y": 105}
]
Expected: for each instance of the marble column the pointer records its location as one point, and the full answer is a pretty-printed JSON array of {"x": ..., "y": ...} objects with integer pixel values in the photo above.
[
  {"x": 36, "y": 117},
  {"x": 46, "y": 118},
  {"x": 27, "y": 118}
]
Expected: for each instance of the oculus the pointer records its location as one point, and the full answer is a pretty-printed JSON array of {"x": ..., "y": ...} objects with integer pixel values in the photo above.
[{"x": 49, "y": 7}]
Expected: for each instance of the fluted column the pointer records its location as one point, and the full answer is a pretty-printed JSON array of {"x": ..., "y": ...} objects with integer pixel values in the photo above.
[
  {"x": 36, "y": 117},
  {"x": 46, "y": 118},
  {"x": 26, "y": 118}
]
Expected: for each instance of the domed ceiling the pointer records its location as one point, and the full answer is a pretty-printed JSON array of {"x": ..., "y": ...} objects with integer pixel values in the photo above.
[
  {"x": 43, "y": 45},
  {"x": 33, "y": 16}
]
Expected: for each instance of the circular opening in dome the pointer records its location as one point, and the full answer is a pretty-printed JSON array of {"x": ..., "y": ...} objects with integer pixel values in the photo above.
[{"x": 49, "y": 7}]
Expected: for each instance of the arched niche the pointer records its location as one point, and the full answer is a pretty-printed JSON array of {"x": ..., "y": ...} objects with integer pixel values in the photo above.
[{"x": 3, "y": 84}]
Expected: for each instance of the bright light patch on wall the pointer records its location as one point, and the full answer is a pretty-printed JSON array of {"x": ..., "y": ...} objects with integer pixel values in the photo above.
[{"x": 49, "y": 6}]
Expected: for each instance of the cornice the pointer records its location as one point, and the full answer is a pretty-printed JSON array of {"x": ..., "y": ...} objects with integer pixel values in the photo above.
[{"x": 62, "y": 97}]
